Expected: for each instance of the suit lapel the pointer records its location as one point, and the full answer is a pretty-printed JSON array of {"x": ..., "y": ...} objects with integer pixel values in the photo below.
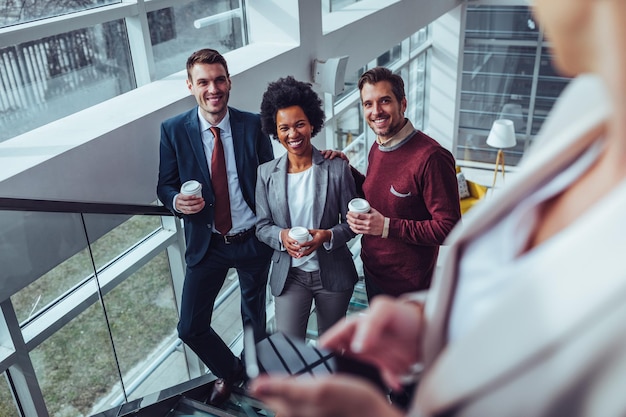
[
  {"x": 278, "y": 185},
  {"x": 238, "y": 127},
  {"x": 321, "y": 187},
  {"x": 192, "y": 126}
]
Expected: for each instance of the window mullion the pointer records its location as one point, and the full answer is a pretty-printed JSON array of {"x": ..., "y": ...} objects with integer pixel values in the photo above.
[{"x": 140, "y": 45}]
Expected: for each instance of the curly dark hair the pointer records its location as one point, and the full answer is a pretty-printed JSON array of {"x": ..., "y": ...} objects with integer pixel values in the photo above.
[{"x": 286, "y": 92}]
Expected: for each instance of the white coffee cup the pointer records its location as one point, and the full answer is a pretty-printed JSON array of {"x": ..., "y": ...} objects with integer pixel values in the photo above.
[
  {"x": 191, "y": 187},
  {"x": 299, "y": 233},
  {"x": 359, "y": 205}
]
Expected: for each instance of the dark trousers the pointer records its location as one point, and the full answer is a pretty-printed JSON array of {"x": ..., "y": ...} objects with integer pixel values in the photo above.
[
  {"x": 203, "y": 282},
  {"x": 371, "y": 289}
]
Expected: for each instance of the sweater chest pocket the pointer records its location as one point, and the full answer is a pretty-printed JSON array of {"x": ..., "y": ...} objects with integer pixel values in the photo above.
[{"x": 404, "y": 199}]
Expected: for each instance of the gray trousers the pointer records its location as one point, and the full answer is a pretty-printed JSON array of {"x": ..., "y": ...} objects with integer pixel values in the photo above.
[{"x": 293, "y": 305}]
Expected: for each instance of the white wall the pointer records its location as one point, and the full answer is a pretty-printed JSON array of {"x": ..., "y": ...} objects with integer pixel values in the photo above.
[{"x": 447, "y": 58}]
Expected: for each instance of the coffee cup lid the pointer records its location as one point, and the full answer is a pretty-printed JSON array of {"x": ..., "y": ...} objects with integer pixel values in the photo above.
[
  {"x": 190, "y": 187},
  {"x": 358, "y": 204}
]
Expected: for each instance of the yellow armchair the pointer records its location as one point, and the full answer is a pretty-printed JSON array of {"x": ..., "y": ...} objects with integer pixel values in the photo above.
[{"x": 476, "y": 192}]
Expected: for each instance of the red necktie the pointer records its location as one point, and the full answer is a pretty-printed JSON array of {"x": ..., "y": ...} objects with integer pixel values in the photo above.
[{"x": 219, "y": 179}]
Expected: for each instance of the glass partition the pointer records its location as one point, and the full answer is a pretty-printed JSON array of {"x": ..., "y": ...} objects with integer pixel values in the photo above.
[
  {"x": 112, "y": 235},
  {"x": 143, "y": 317},
  {"x": 417, "y": 90},
  {"x": 7, "y": 406},
  {"x": 349, "y": 125},
  {"x": 45, "y": 253},
  {"x": 76, "y": 366},
  {"x": 98, "y": 315}
]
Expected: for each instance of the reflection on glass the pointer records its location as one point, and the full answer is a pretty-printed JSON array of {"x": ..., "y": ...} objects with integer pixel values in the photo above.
[
  {"x": 549, "y": 87},
  {"x": 494, "y": 76},
  {"x": 499, "y": 80},
  {"x": 336, "y": 5},
  {"x": 174, "y": 36},
  {"x": 112, "y": 235},
  {"x": 50, "y": 78},
  {"x": 389, "y": 57},
  {"x": 76, "y": 367},
  {"x": 242, "y": 405},
  {"x": 417, "y": 85},
  {"x": 419, "y": 38},
  {"x": 239, "y": 405},
  {"x": 46, "y": 250},
  {"x": 350, "y": 137},
  {"x": 143, "y": 318},
  {"x": 501, "y": 22},
  {"x": 349, "y": 126},
  {"x": 7, "y": 406},
  {"x": 22, "y": 11},
  {"x": 350, "y": 83}
]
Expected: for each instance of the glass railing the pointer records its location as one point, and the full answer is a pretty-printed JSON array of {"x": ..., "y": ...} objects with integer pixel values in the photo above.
[{"x": 88, "y": 304}]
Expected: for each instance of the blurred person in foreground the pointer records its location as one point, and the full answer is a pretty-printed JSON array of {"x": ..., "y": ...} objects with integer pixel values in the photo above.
[
  {"x": 220, "y": 224},
  {"x": 301, "y": 188},
  {"x": 540, "y": 328}
]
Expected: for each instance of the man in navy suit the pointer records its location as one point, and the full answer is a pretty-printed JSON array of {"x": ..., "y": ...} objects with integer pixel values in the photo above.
[{"x": 187, "y": 146}]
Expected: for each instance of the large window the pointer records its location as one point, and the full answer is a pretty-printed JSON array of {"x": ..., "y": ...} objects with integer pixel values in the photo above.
[
  {"x": 507, "y": 74},
  {"x": 175, "y": 31},
  {"x": 50, "y": 78},
  {"x": 13, "y": 12},
  {"x": 47, "y": 78}
]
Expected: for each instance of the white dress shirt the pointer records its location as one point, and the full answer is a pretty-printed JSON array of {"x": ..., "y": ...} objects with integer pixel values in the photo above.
[{"x": 242, "y": 215}]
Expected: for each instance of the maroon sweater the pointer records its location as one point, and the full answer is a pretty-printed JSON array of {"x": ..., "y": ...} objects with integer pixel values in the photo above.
[{"x": 414, "y": 184}]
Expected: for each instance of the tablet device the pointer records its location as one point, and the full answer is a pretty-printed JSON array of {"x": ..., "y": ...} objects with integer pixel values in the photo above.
[{"x": 280, "y": 354}]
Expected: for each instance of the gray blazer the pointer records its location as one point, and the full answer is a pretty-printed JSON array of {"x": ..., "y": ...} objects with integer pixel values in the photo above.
[{"x": 334, "y": 188}]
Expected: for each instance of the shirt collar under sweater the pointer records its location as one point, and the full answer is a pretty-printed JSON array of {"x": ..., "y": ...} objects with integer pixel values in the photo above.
[{"x": 398, "y": 139}]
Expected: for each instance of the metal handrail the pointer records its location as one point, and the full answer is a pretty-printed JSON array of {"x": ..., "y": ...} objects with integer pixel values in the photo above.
[{"x": 62, "y": 206}]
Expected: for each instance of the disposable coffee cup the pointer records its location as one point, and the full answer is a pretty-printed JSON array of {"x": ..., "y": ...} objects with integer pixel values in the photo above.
[
  {"x": 359, "y": 205},
  {"x": 299, "y": 233},
  {"x": 191, "y": 187}
]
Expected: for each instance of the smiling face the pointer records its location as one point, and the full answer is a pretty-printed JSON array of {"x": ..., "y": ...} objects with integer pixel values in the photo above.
[
  {"x": 382, "y": 110},
  {"x": 294, "y": 131},
  {"x": 210, "y": 84}
]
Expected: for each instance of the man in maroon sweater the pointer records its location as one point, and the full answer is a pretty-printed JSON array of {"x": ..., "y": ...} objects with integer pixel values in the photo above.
[{"x": 412, "y": 188}]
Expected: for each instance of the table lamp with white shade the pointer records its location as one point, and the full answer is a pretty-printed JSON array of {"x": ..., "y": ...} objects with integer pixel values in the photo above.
[{"x": 501, "y": 136}]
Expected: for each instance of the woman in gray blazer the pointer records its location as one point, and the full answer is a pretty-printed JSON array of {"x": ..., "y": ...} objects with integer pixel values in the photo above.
[{"x": 303, "y": 189}]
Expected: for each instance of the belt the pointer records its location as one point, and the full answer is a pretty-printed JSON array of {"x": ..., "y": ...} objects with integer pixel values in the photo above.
[{"x": 237, "y": 237}]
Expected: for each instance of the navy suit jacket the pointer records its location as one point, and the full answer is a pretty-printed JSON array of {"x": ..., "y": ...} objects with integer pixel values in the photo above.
[{"x": 182, "y": 158}]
